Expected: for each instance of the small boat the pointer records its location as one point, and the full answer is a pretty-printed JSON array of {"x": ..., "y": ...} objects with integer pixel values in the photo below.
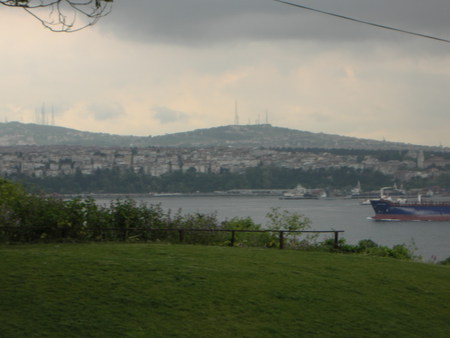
[
  {"x": 299, "y": 197},
  {"x": 165, "y": 194},
  {"x": 298, "y": 193}
]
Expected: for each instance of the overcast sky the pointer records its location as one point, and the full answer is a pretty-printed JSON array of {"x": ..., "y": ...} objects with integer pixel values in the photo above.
[{"x": 156, "y": 67}]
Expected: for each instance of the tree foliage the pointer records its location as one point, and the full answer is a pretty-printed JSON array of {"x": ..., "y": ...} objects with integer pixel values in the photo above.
[
  {"x": 261, "y": 177},
  {"x": 370, "y": 248}
]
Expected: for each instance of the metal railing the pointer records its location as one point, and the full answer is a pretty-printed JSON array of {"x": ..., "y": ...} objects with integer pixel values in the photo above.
[{"x": 123, "y": 233}]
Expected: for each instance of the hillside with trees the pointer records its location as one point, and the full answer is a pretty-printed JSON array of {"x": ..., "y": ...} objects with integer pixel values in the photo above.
[
  {"x": 261, "y": 177},
  {"x": 263, "y": 135}
]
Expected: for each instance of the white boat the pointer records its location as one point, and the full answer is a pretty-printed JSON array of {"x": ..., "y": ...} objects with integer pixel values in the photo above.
[{"x": 298, "y": 193}]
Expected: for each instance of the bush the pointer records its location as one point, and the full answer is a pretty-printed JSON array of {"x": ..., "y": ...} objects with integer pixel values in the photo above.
[
  {"x": 367, "y": 247},
  {"x": 285, "y": 220},
  {"x": 445, "y": 261},
  {"x": 247, "y": 239}
]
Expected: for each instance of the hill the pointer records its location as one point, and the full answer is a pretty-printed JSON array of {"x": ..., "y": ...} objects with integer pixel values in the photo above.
[
  {"x": 158, "y": 290},
  {"x": 17, "y": 134},
  {"x": 265, "y": 135},
  {"x": 268, "y": 136}
]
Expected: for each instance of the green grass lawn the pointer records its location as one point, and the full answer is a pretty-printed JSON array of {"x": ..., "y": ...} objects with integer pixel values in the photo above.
[{"x": 158, "y": 290}]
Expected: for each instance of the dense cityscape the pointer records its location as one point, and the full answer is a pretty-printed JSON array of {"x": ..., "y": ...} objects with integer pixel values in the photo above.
[{"x": 65, "y": 159}]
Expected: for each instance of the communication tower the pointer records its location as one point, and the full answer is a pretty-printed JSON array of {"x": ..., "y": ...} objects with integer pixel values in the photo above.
[{"x": 236, "y": 116}]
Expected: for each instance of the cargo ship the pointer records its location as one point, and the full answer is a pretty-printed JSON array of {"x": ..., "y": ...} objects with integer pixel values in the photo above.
[
  {"x": 386, "y": 209},
  {"x": 403, "y": 210}
]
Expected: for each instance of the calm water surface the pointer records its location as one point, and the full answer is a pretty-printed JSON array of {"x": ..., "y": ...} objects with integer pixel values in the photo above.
[{"x": 430, "y": 238}]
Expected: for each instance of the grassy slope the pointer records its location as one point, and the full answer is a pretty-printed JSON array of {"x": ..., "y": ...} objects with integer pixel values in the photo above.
[{"x": 139, "y": 290}]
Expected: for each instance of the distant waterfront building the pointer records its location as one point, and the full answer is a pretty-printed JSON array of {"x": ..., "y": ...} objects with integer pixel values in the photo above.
[{"x": 420, "y": 160}]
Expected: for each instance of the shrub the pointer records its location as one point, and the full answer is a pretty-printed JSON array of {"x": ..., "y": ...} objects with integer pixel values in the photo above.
[
  {"x": 401, "y": 251},
  {"x": 367, "y": 247},
  {"x": 245, "y": 239},
  {"x": 445, "y": 261},
  {"x": 285, "y": 220},
  {"x": 198, "y": 221}
]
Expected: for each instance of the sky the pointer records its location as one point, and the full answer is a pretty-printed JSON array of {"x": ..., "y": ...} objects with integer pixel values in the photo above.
[{"x": 159, "y": 67}]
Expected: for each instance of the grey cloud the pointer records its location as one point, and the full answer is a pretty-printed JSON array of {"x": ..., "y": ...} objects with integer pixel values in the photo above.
[
  {"x": 106, "y": 111},
  {"x": 166, "y": 115},
  {"x": 198, "y": 22}
]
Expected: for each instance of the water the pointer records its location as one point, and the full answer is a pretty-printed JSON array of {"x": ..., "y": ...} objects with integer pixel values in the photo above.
[{"x": 430, "y": 239}]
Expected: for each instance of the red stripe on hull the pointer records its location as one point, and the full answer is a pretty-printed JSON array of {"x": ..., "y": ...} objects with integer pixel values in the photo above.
[{"x": 388, "y": 217}]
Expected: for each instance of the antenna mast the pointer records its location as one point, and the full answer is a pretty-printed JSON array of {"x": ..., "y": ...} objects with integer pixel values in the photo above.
[
  {"x": 43, "y": 118},
  {"x": 236, "y": 116}
]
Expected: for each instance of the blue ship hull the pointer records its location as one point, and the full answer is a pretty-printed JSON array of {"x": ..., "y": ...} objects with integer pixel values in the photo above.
[{"x": 386, "y": 210}]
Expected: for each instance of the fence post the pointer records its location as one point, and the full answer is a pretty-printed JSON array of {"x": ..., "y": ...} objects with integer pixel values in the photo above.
[
  {"x": 181, "y": 235},
  {"x": 336, "y": 240},
  {"x": 281, "y": 239},
  {"x": 125, "y": 234},
  {"x": 233, "y": 237}
]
